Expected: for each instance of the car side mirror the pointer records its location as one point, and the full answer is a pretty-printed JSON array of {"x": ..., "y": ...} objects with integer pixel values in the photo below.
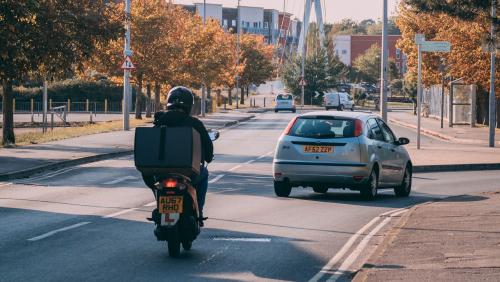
[
  {"x": 402, "y": 141},
  {"x": 214, "y": 135}
]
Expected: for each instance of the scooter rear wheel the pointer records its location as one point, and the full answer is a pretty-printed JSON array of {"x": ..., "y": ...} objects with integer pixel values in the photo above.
[{"x": 187, "y": 245}]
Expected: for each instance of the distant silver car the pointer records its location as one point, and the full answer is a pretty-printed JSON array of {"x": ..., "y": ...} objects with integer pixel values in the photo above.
[{"x": 350, "y": 150}]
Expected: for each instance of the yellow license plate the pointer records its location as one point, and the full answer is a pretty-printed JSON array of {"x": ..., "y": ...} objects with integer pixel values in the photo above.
[
  {"x": 170, "y": 204},
  {"x": 318, "y": 149}
]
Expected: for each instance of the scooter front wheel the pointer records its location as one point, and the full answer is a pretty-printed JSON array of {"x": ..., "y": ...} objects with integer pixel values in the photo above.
[
  {"x": 187, "y": 245},
  {"x": 174, "y": 245}
]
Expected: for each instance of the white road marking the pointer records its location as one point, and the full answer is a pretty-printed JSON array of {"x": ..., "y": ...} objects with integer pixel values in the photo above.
[
  {"x": 249, "y": 162},
  {"x": 217, "y": 178},
  {"x": 152, "y": 204},
  {"x": 121, "y": 179},
  {"x": 48, "y": 234},
  {"x": 119, "y": 213},
  {"x": 45, "y": 176},
  {"x": 355, "y": 254},
  {"x": 5, "y": 184},
  {"x": 329, "y": 266},
  {"x": 235, "y": 168},
  {"x": 260, "y": 240}
]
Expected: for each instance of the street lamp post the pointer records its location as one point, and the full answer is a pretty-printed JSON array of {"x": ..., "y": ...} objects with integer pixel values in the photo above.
[
  {"x": 203, "y": 86},
  {"x": 238, "y": 28},
  {"x": 492, "y": 104},
  {"x": 383, "y": 68},
  {"x": 126, "y": 72}
]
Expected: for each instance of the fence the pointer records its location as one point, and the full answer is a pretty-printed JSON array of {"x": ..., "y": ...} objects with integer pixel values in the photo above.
[
  {"x": 464, "y": 103},
  {"x": 79, "y": 107}
]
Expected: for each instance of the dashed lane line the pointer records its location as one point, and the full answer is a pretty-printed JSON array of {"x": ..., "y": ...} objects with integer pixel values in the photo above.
[
  {"x": 121, "y": 179},
  {"x": 119, "y": 213},
  {"x": 217, "y": 178},
  {"x": 53, "y": 232}
]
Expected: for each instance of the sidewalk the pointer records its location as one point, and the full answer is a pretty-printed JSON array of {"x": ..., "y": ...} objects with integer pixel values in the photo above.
[
  {"x": 26, "y": 160},
  {"x": 460, "y": 134},
  {"x": 456, "y": 239}
]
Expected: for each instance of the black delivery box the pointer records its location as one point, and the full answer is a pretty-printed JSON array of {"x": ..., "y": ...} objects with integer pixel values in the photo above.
[{"x": 163, "y": 150}]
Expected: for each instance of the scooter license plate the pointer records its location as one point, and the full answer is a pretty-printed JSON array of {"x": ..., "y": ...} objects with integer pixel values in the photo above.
[{"x": 170, "y": 204}]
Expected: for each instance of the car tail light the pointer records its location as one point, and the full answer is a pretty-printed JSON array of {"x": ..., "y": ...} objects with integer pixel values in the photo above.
[
  {"x": 358, "y": 128},
  {"x": 289, "y": 126},
  {"x": 358, "y": 178},
  {"x": 170, "y": 183}
]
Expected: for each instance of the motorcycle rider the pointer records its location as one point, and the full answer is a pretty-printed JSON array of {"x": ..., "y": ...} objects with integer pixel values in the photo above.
[{"x": 179, "y": 103}]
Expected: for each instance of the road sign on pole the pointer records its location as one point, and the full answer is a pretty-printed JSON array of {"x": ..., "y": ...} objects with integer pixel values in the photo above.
[
  {"x": 302, "y": 82},
  {"x": 425, "y": 46},
  {"x": 127, "y": 64},
  {"x": 435, "y": 46}
]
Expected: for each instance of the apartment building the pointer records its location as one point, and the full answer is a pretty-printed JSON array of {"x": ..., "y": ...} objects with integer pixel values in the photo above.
[{"x": 350, "y": 47}]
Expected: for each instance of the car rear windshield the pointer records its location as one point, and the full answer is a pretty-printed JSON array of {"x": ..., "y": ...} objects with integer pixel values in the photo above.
[
  {"x": 284, "y": 97},
  {"x": 323, "y": 127}
]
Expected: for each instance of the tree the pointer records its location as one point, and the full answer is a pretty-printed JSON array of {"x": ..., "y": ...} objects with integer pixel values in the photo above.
[
  {"x": 49, "y": 37},
  {"x": 368, "y": 65},
  {"x": 258, "y": 66}
]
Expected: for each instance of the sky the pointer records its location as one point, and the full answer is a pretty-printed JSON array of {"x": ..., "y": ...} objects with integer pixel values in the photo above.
[{"x": 335, "y": 10}]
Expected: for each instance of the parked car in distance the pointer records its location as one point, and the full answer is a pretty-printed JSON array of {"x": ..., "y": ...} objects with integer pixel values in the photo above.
[
  {"x": 357, "y": 151},
  {"x": 284, "y": 102},
  {"x": 338, "y": 100},
  {"x": 343, "y": 87}
]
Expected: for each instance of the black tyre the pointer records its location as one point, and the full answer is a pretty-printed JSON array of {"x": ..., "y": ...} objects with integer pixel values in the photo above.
[
  {"x": 321, "y": 190},
  {"x": 174, "y": 245},
  {"x": 282, "y": 189},
  {"x": 326, "y": 108},
  {"x": 369, "y": 192},
  {"x": 341, "y": 108},
  {"x": 404, "y": 189},
  {"x": 187, "y": 245},
  {"x": 275, "y": 111},
  {"x": 352, "y": 108},
  {"x": 293, "y": 111}
]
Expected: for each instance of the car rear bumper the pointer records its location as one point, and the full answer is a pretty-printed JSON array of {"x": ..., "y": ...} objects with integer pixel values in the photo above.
[{"x": 333, "y": 175}]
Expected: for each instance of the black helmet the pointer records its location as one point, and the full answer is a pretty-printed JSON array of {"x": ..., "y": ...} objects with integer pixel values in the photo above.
[{"x": 180, "y": 97}]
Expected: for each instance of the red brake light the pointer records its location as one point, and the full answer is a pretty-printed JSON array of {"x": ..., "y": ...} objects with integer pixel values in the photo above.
[
  {"x": 358, "y": 128},
  {"x": 289, "y": 126},
  {"x": 170, "y": 183}
]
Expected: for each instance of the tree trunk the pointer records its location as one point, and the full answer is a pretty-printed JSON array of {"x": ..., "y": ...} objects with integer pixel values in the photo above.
[
  {"x": 242, "y": 95},
  {"x": 209, "y": 92},
  {"x": 148, "y": 102},
  {"x": 230, "y": 96},
  {"x": 498, "y": 113},
  {"x": 218, "y": 98},
  {"x": 248, "y": 90},
  {"x": 157, "y": 97},
  {"x": 8, "y": 114},
  {"x": 138, "y": 98}
]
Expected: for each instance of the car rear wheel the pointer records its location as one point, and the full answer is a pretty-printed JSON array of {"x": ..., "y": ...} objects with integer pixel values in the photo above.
[
  {"x": 352, "y": 108},
  {"x": 341, "y": 108},
  {"x": 321, "y": 190},
  {"x": 275, "y": 111},
  {"x": 369, "y": 192},
  {"x": 282, "y": 189},
  {"x": 404, "y": 189}
]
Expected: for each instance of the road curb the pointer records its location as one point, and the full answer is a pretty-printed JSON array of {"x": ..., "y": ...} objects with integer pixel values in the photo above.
[
  {"x": 455, "y": 167},
  {"x": 62, "y": 164},
  {"x": 85, "y": 160}
]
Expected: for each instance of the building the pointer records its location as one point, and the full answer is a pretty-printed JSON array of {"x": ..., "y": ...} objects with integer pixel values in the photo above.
[
  {"x": 254, "y": 20},
  {"x": 350, "y": 47}
]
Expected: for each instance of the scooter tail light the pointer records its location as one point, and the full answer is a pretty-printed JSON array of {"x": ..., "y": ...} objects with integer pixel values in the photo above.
[
  {"x": 358, "y": 128},
  {"x": 170, "y": 183},
  {"x": 289, "y": 126}
]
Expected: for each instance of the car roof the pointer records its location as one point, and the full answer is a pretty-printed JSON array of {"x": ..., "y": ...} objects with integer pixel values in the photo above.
[{"x": 342, "y": 114}]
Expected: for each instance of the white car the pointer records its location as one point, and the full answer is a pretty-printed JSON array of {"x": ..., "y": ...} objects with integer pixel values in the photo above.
[
  {"x": 284, "y": 102},
  {"x": 338, "y": 100}
]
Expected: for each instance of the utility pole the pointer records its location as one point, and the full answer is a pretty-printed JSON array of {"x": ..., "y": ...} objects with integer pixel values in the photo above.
[
  {"x": 442, "y": 70},
  {"x": 203, "y": 86},
  {"x": 126, "y": 72},
  {"x": 419, "y": 93},
  {"x": 383, "y": 68},
  {"x": 238, "y": 29},
  {"x": 492, "y": 102}
]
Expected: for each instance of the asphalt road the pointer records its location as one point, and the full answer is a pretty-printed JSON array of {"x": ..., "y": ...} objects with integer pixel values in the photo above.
[{"x": 87, "y": 223}]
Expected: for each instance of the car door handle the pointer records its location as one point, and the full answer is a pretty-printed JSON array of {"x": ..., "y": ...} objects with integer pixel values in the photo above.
[{"x": 378, "y": 146}]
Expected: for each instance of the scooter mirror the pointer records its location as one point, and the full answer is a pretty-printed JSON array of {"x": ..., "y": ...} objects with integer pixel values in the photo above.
[{"x": 214, "y": 135}]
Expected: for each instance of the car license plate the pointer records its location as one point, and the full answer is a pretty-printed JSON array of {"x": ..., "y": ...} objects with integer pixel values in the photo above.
[
  {"x": 318, "y": 149},
  {"x": 170, "y": 204}
]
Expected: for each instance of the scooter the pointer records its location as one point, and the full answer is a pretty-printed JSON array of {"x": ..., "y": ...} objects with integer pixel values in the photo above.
[{"x": 177, "y": 217}]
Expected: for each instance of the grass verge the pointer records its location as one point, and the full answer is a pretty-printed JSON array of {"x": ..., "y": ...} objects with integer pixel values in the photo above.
[{"x": 70, "y": 132}]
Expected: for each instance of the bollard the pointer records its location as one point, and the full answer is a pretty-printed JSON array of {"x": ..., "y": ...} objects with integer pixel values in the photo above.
[
  {"x": 52, "y": 121},
  {"x": 87, "y": 105},
  {"x": 32, "y": 106},
  {"x": 50, "y": 103},
  {"x": 69, "y": 105},
  {"x": 225, "y": 102},
  {"x": 14, "y": 105},
  {"x": 264, "y": 102},
  {"x": 106, "y": 106},
  {"x": 32, "y": 118},
  {"x": 91, "y": 121}
]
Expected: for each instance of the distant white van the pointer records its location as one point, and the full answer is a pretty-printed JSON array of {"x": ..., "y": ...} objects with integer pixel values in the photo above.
[
  {"x": 338, "y": 100},
  {"x": 284, "y": 102}
]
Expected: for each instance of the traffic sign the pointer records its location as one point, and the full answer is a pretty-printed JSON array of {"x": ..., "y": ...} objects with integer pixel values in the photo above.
[
  {"x": 435, "y": 46},
  {"x": 127, "y": 64},
  {"x": 302, "y": 82},
  {"x": 419, "y": 38}
]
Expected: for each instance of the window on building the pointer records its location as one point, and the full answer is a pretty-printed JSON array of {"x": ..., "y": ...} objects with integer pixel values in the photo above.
[
  {"x": 398, "y": 65},
  {"x": 398, "y": 54},
  {"x": 344, "y": 52},
  {"x": 255, "y": 25},
  {"x": 224, "y": 23},
  {"x": 266, "y": 25},
  {"x": 233, "y": 23}
]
